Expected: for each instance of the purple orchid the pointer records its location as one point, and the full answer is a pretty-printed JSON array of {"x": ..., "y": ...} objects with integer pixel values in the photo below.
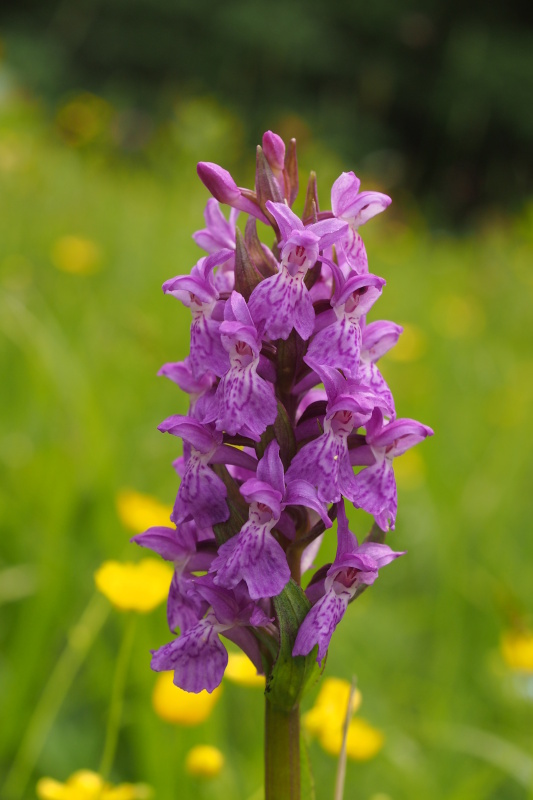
[
  {"x": 254, "y": 555},
  {"x": 354, "y": 566},
  {"x": 199, "y": 293},
  {"x": 282, "y": 302},
  {"x": 325, "y": 461},
  {"x": 245, "y": 403},
  {"x": 355, "y": 208},
  {"x": 375, "y": 486},
  {"x": 286, "y": 400},
  {"x": 337, "y": 338}
]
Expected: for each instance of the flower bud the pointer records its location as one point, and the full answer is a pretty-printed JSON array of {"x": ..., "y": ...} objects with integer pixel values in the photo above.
[{"x": 274, "y": 150}]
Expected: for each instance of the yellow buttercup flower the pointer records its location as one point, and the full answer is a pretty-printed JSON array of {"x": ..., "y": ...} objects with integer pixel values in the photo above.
[
  {"x": 363, "y": 741},
  {"x": 87, "y": 785},
  {"x": 240, "y": 670},
  {"x": 140, "y": 511},
  {"x": 182, "y": 708},
  {"x": 330, "y": 706},
  {"x": 517, "y": 650},
  {"x": 326, "y": 721},
  {"x": 134, "y": 587},
  {"x": 204, "y": 761},
  {"x": 76, "y": 254}
]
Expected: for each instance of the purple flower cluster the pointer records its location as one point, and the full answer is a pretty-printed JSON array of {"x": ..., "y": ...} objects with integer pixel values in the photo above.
[{"x": 286, "y": 399}]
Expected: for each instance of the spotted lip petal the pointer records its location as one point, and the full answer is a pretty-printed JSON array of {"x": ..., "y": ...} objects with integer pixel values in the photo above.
[
  {"x": 320, "y": 623},
  {"x": 197, "y": 657},
  {"x": 255, "y": 557},
  {"x": 202, "y": 495},
  {"x": 281, "y": 303}
]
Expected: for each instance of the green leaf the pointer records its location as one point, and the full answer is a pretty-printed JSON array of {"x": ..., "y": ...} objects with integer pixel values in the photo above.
[{"x": 291, "y": 675}]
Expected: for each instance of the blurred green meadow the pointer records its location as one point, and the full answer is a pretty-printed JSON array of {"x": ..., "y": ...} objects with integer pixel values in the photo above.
[{"x": 87, "y": 236}]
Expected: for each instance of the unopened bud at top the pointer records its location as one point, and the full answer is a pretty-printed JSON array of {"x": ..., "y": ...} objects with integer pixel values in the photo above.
[
  {"x": 274, "y": 150},
  {"x": 219, "y": 182}
]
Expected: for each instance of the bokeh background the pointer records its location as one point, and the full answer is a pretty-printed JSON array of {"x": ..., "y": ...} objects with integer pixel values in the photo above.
[{"x": 104, "y": 111}]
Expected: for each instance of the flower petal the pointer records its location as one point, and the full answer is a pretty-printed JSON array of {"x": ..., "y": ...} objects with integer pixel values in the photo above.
[
  {"x": 255, "y": 557},
  {"x": 197, "y": 657},
  {"x": 319, "y": 624}
]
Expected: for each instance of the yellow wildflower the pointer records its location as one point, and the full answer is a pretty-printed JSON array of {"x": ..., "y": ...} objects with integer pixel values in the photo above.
[
  {"x": 240, "y": 670},
  {"x": 204, "y": 761},
  {"x": 140, "y": 511},
  {"x": 182, "y": 708},
  {"x": 87, "y": 785},
  {"x": 330, "y": 706},
  {"x": 326, "y": 721},
  {"x": 363, "y": 741},
  {"x": 517, "y": 650},
  {"x": 134, "y": 587},
  {"x": 76, "y": 255}
]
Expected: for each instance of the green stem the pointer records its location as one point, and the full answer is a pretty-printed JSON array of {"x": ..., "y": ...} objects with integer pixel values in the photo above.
[
  {"x": 282, "y": 753},
  {"x": 117, "y": 697},
  {"x": 80, "y": 639}
]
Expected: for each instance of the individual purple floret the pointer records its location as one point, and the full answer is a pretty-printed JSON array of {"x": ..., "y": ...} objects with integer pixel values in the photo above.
[
  {"x": 244, "y": 403},
  {"x": 219, "y": 233},
  {"x": 282, "y": 302},
  {"x": 376, "y": 485},
  {"x": 254, "y": 555},
  {"x": 202, "y": 494},
  {"x": 354, "y": 565},
  {"x": 325, "y": 461},
  {"x": 356, "y": 208},
  {"x": 199, "y": 293},
  {"x": 197, "y": 657},
  {"x": 378, "y": 338},
  {"x": 337, "y": 338}
]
